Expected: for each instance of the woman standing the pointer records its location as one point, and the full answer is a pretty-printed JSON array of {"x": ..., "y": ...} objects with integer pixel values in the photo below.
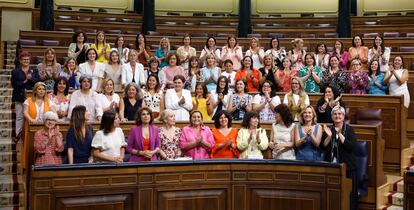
[
  {"x": 251, "y": 139},
  {"x": 256, "y": 53},
  {"x": 23, "y": 78},
  {"x": 232, "y": 51},
  {"x": 201, "y": 100},
  {"x": 311, "y": 75},
  {"x": 131, "y": 102},
  {"x": 334, "y": 76},
  {"x": 376, "y": 78},
  {"x": 169, "y": 136},
  {"x": 71, "y": 73},
  {"x": 359, "y": 51},
  {"x": 284, "y": 76},
  {"x": 85, "y": 97},
  {"x": 133, "y": 71},
  {"x": 396, "y": 78},
  {"x": 49, "y": 70},
  {"x": 308, "y": 136},
  {"x": 108, "y": 144},
  {"x": 101, "y": 47},
  {"x": 268, "y": 71},
  {"x": 194, "y": 74},
  {"x": 196, "y": 139},
  {"x": 296, "y": 99},
  {"x": 229, "y": 74},
  {"x": 143, "y": 140},
  {"x": 153, "y": 97},
  {"x": 93, "y": 69},
  {"x": 358, "y": 80},
  {"x": 186, "y": 51},
  {"x": 225, "y": 137},
  {"x": 179, "y": 99},
  {"x": 77, "y": 49},
  {"x": 163, "y": 51},
  {"x": 48, "y": 142},
  {"x": 277, "y": 52},
  {"x": 144, "y": 52},
  {"x": 79, "y": 136},
  {"x": 265, "y": 102},
  {"x": 240, "y": 102},
  {"x": 321, "y": 56},
  {"x": 379, "y": 52},
  {"x": 296, "y": 54},
  {"x": 121, "y": 49},
  {"x": 154, "y": 69},
  {"x": 326, "y": 103},
  {"x": 108, "y": 99},
  {"x": 219, "y": 98},
  {"x": 210, "y": 48},
  {"x": 113, "y": 70},
  {"x": 342, "y": 55},
  {"x": 60, "y": 98},
  {"x": 210, "y": 73},
  {"x": 282, "y": 137},
  {"x": 173, "y": 69},
  {"x": 249, "y": 75}
]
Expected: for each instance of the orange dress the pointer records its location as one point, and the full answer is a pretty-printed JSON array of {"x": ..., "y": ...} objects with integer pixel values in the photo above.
[
  {"x": 251, "y": 86},
  {"x": 146, "y": 146},
  {"x": 362, "y": 53},
  {"x": 226, "y": 151}
]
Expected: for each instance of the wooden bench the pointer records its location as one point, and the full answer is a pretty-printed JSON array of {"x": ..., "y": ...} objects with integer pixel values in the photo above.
[{"x": 191, "y": 185}]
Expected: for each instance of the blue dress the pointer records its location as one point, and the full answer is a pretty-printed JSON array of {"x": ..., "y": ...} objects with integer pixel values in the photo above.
[
  {"x": 308, "y": 151},
  {"x": 373, "y": 89},
  {"x": 82, "y": 152}
]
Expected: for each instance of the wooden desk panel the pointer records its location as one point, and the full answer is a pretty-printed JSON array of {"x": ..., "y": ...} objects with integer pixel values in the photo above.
[{"x": 232, "y": 184}]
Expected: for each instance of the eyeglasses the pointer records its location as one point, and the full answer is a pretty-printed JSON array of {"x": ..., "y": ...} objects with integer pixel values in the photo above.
[{"x": 295, "y": 83}]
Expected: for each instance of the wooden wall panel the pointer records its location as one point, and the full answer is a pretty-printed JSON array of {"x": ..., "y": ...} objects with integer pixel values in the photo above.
[
  {"x": 269, "y": 199},
  {"x": 103, "y": 202}
]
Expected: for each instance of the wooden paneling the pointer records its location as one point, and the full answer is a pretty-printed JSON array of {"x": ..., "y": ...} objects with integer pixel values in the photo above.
[{"x": 226, "y": 192}]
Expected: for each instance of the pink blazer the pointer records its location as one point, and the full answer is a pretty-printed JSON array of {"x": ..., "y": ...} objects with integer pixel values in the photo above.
[{"x": 135, "y": 142}]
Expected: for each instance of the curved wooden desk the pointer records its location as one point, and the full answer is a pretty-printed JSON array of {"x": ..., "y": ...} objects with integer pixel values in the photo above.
[{"x": 220, "y": 184}]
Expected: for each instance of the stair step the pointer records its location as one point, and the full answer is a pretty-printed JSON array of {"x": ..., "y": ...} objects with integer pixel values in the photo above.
[
  {"x": 5, "y": 133},
  {"x": 12, "y": 207},
  {"x": 395, "y": 198},
  {"x": 399, "y": 186},
  {"x": 6, "y": 123},
  {"x": 5, "y": 146},
  {"x": 7, "y": 157},
  {"x": 391, "y": 207},
  {"x": 10, "y": 168},
  {"x": 11, "y": 199},
  {"x": 10, "y": 183}
]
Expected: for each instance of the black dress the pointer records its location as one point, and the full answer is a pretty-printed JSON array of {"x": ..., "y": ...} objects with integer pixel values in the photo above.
[
  {"x": 270, "y": 77},
  {"x": 130, "y": 111},
  {"x": 82, "y": 55}
]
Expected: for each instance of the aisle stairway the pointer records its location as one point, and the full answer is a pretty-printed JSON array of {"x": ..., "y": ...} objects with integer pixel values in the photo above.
[{"x": 12, "y": 186}]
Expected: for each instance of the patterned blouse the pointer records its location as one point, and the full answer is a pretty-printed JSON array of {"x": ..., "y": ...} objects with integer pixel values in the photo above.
[
  {"x": 310, "y": 84},
  {"x": 171, "y": 147},
  {"x": 153, "y": 101},
  {"x": 357, "y": 82},
  {"x": 239, "y": 112},
  {"x": 47, "y": 151},
  {"x": 336, "y": 80}
]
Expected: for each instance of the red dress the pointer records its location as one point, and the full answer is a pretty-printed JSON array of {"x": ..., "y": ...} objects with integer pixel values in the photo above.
[
  {"x": 285, "y": 86},
  {"x": 47, "y": 151},
  {"x": 226, "y": 151},
  {"x": 146, "y": 144}
]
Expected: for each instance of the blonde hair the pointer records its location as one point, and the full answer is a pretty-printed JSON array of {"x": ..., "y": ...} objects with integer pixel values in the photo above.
[
  {"x": 168, "y": 43},
  {"x": 296, "y": 41},
  {"x": 34, "y": 93},
  {"x": 45, "y": 58},
  {"x": 105, "y": 82},
  {"x": 164, "y": 114},
  {"x": 301, "y": 86},
  {"x": 269, "y": 56},
  {"x": 300, "y": 117},
  {"x": 256, "y": 39}
]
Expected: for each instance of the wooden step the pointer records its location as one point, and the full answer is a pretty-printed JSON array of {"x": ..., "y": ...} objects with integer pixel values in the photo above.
[
  {"x": 391, "y": 207},
  {"x": 11, "y": 199},
  {"x": 11, "y": 183},
  {"x": 395, "y": 198}
]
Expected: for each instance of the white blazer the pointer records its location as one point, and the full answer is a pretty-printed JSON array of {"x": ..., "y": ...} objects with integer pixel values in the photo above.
[
  {"x": 127, "y": 75},
  {"x": 182, "y": 112}
]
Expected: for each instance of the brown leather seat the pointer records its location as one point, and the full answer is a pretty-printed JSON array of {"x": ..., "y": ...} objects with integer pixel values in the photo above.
[
  {"x": 308, "y": 36},
  {"x": 27, "y": 42},
  {"x": 406, "y": 49},
  {"x": 368, "y": 117},
  {"x": 391, "y": 34},
  {"x": 370, "y": 35},
  {"x": 254, "y": 35},
  {"x": 330, "y": 35},
  {"x": 113, "y": 31},
  {"x": 153, "y": 33},
  {"x": 50, "y": 43}
]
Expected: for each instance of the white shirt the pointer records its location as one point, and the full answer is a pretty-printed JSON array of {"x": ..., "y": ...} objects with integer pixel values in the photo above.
[
  {"x": 232, "y": 82},
  {"x": 214, "y": 99},
  {"x": 256, "y": 57},
  {"x": 109, "y": 144},
  {"x": 89, "y": 101},
  {"x": 181, "y": 111},
  {"x": 39, "y": 109},
  {"x": 95, "y": 74},
  {"x": 266, "y": 114},
  {"x": 383, "y": 60},
  {"x": 137, "y": 74},
  {"x": 102, "y": 103}
]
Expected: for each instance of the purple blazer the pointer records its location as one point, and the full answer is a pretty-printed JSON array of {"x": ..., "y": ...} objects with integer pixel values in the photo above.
[{"x": 135, "y": 142}]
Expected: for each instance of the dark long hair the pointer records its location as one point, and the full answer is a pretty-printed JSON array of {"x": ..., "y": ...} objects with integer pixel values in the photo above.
[
  {"x": 217, "y": 119},
  {"x": 285, "y": 113},
  {"x": 107, "y": 122},
  {"x": 248, "y": 117},
  {"x": 55, "y": 87},
  {"x": 138, "y": 120},
  {"x": 77, "y": 122},
  {"x": 224, "y": 91}
]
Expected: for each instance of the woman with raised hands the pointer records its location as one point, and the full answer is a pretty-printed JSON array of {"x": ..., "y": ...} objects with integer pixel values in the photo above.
[
  {"x": 144, "y": 52},
  {"x": 49, "y": 70},
  {"x": 311, "y": 75},
  {"x": 186, "y": 51},
  {"x": 265, "y": 102},
  {"x": 331, "y": 98},
  {"x": 169, "y": 136},
  {"x": 93, "y": 69},
  {"x": 108, "y": 99},
  {"x": 108, "y": 144},
  {"x": 268, "y": 71},
  {"x": 321, "y": 56},
  {"x": 196, "y": 139},
  {"x": 308, "y": 134},
  {"x": 71, "y": 72},
  {"x": 194, "y": 74},
  {"x": 225, "y": 137},
  {"x": 143, "y": 139},
  {"x": 334, "y": 76},
  {"x": 122, "y": 50},
  {"x": 277, "y": 52},
  {"x": 396, "y": 77},
  {"x": 296, "y": 99},
  {"x": 359, "y": 51},
  {"x": 240, "y": 102},
  {"x": 172, "y": 69},
  {"x": 210, "y": 48},
  {"x": 284, "y": 76},
  {"x": 296, "y": 54},
  {"x": 202, "y": 100},
  {"x": 178, "y": 99},
  {"x": 282, "y": 136},
  {"x": 61, "y": 98},
  {"x": 249, "y": 75},
  {"x": 376, "y": 79},
  {"x": 219, "y": 98},
  {"x": 210, "y": 73},
  {"x": 251, "y": 138},
  {"x": 102, "y": 48},
  {"x": 77, "y": 49},
  {"x": 256, "y": 53},
  {"x": 163, "y": 51},
  {"x": 342, "y": 54},
  {"x": 229, "y": 74},
  {"x": 379, "y": 52},
  {"x": 232, "y": 51}
]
